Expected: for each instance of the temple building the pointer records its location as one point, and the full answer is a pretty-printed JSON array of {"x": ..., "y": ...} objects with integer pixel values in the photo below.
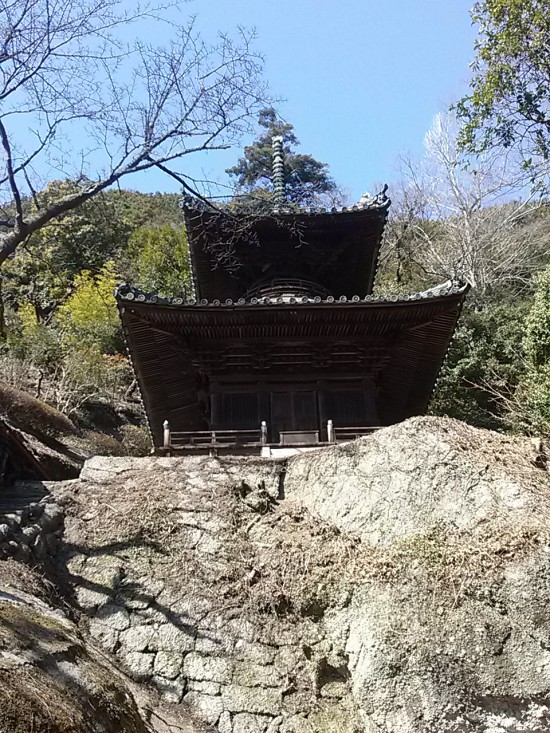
[{"x": 282, "y": 341}]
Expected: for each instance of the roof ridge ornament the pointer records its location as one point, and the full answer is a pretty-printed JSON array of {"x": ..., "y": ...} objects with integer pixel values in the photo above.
[
  {"x": 367, "y": 200},
  {"x": 278, "y": 170}
]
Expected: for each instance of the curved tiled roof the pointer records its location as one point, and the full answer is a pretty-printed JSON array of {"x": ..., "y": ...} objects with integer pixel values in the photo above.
[
  {"x": 126, "y": 292},
  {"x": 336, "y": 248},
  {"x": 379, "y": 201},
  {"x": 173, "y": 342}
]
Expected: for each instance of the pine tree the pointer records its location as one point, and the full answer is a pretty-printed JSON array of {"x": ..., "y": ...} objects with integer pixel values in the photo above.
[{"x": 305, "y": 177}]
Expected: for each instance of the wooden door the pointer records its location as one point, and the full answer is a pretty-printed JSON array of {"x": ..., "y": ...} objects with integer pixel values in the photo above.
[{"x": 293, "y": 411}]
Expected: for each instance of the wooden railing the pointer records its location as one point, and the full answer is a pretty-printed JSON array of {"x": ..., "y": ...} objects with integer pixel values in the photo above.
[
  {"x": 342, "y": 434},
  {"x": 218, "y": 438},
  {"x": 212, "y": 439}
]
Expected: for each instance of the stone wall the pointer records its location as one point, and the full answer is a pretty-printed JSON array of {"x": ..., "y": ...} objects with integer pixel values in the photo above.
[
  {"x": 52, "y": 680},
  {"x": 32, "y": 535},
  {"x": 177, "y": 607}
]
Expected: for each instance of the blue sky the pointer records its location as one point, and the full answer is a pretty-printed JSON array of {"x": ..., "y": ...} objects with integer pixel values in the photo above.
[{"x": 360, "y": 80}]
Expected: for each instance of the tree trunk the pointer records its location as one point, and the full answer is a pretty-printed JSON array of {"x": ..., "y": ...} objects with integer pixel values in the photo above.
[{"x": 3, "y": 333}]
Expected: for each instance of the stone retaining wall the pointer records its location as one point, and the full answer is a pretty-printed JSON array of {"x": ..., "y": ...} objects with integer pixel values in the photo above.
[
  {"x": 33, "y": 534},
  {"x": 231, "y": 673},
  {"x": 186, "y": 631}
]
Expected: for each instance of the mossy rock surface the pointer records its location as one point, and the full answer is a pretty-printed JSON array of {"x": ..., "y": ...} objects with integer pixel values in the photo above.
[{"x": 49, "y": 680}]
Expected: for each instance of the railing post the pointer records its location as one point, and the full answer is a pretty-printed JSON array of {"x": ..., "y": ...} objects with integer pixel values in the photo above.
[
  {"x": 166, "y": 436},
  {"x": 263, "y": 432},
  {"x": 330, "y": 431}
]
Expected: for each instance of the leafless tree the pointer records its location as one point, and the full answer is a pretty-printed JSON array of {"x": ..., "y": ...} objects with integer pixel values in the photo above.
[
  {"x": 78, "y": 100},
  {"x": 399, "y": 266},
  {"x": 469, "y": 216}
]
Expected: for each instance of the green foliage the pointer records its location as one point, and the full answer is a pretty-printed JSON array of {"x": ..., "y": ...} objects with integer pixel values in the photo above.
[
  {"x": 401, "y": 268},
  {"x": 537, "y": 336},
  {"x": 89, "y": 317},
  {"x": 33, "y": 341},
  {"x": 135, "y": 440},
  {"x": 158, "y": 260},
  {"x": 398, "y": 274},
  {"x": 305, "y": 177},
  {"x": 83, "y": 239},
  {"x": 510, "y": 88},
  {"x": 497, "y": 373},
  {"x": 485, "y": 360},
  {"x": 531, "y": 408},
  {"x": 44, "y": 270},
  {"x": 530, "y": 412},
  {"x": 84, "y": 376},
  {"x": 75, "y": 354},
  {"x": 137, "y": 210},
  {"x": 63, "y": 340}
]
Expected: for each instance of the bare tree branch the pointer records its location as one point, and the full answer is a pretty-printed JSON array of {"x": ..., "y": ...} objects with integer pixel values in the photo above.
[
  {"x": 81, "y": 101},
  {"x": 11, "y": 177},
  {"x": 468, "y": 215}
]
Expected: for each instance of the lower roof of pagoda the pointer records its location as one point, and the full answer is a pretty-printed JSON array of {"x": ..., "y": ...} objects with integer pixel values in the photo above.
[{"x": 177, "y": 348}]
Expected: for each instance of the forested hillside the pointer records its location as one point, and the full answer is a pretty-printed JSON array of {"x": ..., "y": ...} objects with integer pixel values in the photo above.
[
  {"x": 496, "y": 374},
  {"x": 483, "y": 219},
  {"x": 60, "y": 333},
  {"x": 455, "y": 216}
]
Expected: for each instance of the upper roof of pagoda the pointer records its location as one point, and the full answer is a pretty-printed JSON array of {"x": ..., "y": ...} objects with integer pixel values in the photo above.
[{"x": 235, "y": 255}]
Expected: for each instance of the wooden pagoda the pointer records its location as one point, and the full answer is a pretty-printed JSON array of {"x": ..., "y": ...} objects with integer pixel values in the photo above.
[{"x": 283, "y": 342}]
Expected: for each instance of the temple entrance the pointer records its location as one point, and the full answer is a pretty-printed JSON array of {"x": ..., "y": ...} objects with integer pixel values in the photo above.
[{"x": 293, "y": 411}]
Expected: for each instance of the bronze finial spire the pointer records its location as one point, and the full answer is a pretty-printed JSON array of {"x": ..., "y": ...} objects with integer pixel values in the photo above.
[{"x": 278, "y": 169}]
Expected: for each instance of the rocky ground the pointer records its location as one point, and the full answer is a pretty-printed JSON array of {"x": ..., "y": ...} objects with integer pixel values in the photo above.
[{"x": 400, "y": 583}]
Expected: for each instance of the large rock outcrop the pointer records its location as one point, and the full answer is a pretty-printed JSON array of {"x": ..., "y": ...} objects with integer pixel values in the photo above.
[
  {"x": 397, "y": 584},
  {"x": 35, "y": 439},
  {"x": 422, "y": 475},
  {"x": 39, "y": 442}
]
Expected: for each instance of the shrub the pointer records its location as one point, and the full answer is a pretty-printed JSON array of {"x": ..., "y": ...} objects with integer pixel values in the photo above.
[
  {"x": 101, "y": 444},
  {"x": 537, "y": 336},
  {"x": 485, "y": 360},
  {"x": 136, "y": 440},
  {"x": 89, "y": 317}
]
